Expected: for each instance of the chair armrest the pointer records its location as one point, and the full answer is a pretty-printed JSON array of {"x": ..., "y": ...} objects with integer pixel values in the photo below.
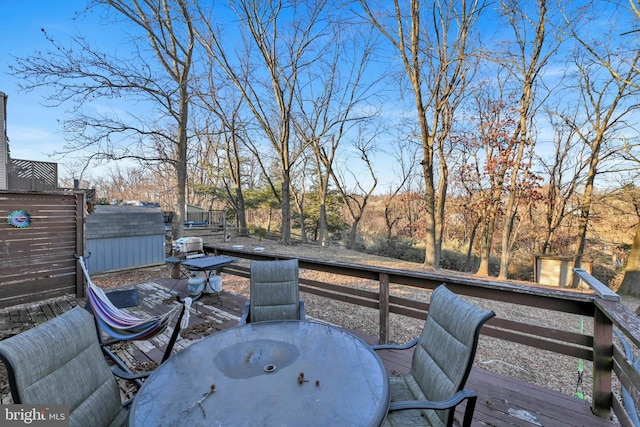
[
  {"x": 453, "y": 401},
  {"x": 128, "y": 375},
  {"x": 406, "y": 346},
  {"x": 245, "y": 314},
  {"x": 433, "y": 404},
  {"x": 301, "y": 309}
]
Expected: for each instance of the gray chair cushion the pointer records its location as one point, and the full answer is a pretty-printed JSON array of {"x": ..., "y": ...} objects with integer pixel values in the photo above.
[
  {"x": 442, "y": 358},
  {"x": 405, "y": 388},
  {"x": 60, "y": 362},
  {"x": 274, "y": 290}
]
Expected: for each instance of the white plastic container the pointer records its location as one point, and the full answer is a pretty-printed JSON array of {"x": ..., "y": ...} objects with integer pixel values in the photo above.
[
  {"x": 215, "y": 285},
  {"x": 195, "y": 284}
]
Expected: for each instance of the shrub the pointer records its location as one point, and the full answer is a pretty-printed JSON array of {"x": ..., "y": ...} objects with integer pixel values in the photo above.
[{"x": 398, "y": 248}]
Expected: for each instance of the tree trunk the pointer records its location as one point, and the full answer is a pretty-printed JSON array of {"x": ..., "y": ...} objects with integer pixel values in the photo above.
[
  {"x": 241, "y": 212},
  {"x": 301, "y": 220},
  {"x": 177, "y": 226},
  {"x": 485, "y": 254},
  {"x": 514, "y": 195},
  {"x": 353, "y": 234},
  {"x": 440, "y": 203},
  {"x": 489, "y": 216},
  {"x": 286, "y": 209},
  {"x": 322, "y": 232},
  {"x": 507, "y": 231},
  {"x": 472, "y": 238},
  {"x": 631, "y": 282},
  {"x": 485, "y": 247},
  {"x": 585, "y": 208},
  {"x": 431, "y": 256}
]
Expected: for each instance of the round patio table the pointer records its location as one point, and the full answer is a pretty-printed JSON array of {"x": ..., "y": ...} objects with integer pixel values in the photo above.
[{"x": 277, "y": 373}]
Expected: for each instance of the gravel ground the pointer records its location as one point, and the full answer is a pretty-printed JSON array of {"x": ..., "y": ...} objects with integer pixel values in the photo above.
[{"x": 543, "y": 368}]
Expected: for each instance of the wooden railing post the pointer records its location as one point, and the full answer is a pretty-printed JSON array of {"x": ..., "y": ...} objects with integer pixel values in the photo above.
[
  {"x": 602, "y": 364},
  {"x": 384, "y": 308},
  {"x": 81, "y": 205}
]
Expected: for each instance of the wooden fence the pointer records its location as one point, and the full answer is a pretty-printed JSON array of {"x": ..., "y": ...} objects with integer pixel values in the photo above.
[
  {"x": 32, "y": 175},
  {"x": 37, "y": 252}
]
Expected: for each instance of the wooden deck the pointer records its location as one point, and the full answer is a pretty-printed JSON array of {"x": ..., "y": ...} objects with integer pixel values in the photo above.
[{"x": 503, "y": 401}]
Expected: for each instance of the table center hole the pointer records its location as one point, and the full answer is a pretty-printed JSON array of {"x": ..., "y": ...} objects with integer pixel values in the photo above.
[{"x": 269, "y": 368}]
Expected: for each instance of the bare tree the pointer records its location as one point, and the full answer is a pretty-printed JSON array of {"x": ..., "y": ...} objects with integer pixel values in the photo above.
[
  {"x": 158, "y": 73},
  {"x": 280, "y": 48},
  {"x": 563, "y": 169},
  {"x": 489, "y": 151},
  {"x": 205, "y": 166},
  {"x": 605, "y": 103},
  {"x": 356, "y": 200},
  {"x": 234, "y": 179},
  {"x": 525, "y": 64},
  {"x": 335, "y": 99},
  {"x": 396, "y": 207},
  {"x": 433, "y": 41},
  {"x": 222, "y": 101},
  {"x": 625, "y": 76},
  {"x": 631, "y": 279},
  {"x": 299, "y": 188},
  {"x": 133, "y": 184}
]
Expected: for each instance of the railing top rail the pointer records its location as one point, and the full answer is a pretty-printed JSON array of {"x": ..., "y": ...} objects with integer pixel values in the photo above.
[
  {"x": 423, "y": 279},
  {"x": 600, "y": 288},
  {"x": 625, "y": 319}
]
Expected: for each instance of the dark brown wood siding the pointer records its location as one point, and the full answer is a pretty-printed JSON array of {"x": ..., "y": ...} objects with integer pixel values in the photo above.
[{"x": 37, "y": 262}]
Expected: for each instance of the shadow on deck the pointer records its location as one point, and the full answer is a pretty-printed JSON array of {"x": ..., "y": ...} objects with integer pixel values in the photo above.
[{"x": 502, "y": 401}]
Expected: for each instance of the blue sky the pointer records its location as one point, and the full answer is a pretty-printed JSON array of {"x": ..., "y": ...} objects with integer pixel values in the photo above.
[{"x": 33, "y": 129}]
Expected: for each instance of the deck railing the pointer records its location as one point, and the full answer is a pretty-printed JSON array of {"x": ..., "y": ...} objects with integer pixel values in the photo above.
[{"x": 593, "y": 300}]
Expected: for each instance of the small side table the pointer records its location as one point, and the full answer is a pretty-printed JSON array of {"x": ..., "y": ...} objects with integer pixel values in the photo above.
[
  {"x": 207, "y": 264},
  {"x": 177, "y": 272}
]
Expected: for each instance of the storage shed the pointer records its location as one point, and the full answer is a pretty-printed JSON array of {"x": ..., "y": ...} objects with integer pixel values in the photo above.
[
  {"x": 123, "y": 237},
  {"x": 554, "y": 270}
]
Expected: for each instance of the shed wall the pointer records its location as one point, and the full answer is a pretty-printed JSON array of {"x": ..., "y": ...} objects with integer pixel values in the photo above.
[
  {"x": 120, "y": 253},
  {"x": 124, "y": 237}
]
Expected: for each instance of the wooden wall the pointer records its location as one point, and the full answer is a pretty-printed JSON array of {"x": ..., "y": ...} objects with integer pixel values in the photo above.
[{"x": 37, "y": 262}]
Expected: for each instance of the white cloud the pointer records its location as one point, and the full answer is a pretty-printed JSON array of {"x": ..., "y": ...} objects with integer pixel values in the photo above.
[{"x": 30, "y": 143}]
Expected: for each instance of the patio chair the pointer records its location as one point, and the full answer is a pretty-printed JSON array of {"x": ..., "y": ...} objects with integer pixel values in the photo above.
[
  {"x": 60, "y": 362},
  {"x": 442, "y": 359},
  {"x": 274, "y": 292}
]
